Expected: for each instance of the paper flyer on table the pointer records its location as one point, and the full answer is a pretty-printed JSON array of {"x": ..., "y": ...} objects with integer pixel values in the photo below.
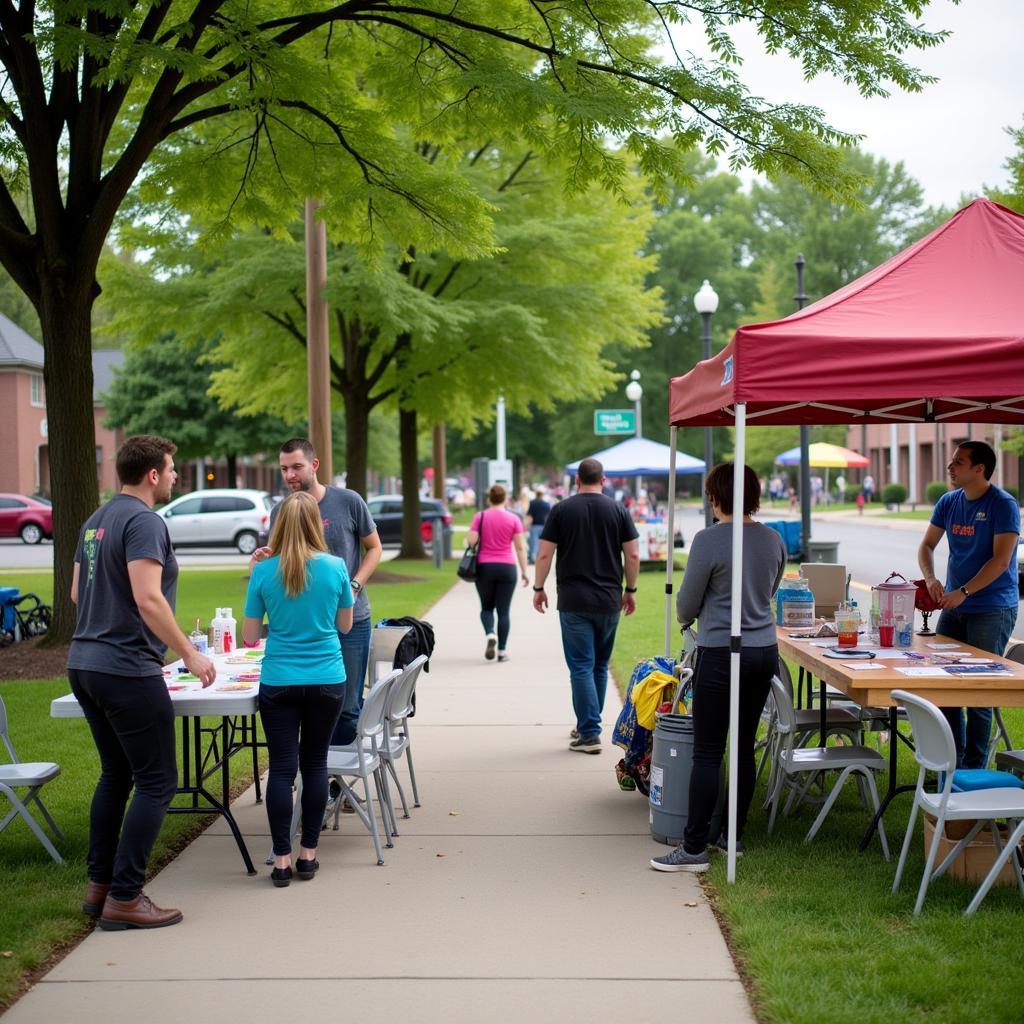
[
  {"x": 923, "y": 670},
  {"x": 858, "y": 666}
]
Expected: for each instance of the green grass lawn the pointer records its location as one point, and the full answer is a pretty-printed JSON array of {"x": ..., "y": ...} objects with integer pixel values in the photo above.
[
  {"x": 816, "y": 928},
  {"x": 39, "y": 911}
]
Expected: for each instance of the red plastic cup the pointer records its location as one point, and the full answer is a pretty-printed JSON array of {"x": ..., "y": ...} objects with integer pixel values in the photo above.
[{"x": 886, "y": 634}]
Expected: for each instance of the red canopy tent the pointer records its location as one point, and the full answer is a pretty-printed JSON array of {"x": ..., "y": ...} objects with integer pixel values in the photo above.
[{"x": 935, "y": 333}]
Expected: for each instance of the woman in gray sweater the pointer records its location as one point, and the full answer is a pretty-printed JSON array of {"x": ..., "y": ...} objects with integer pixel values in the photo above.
[{"x": 705, "y": 596}]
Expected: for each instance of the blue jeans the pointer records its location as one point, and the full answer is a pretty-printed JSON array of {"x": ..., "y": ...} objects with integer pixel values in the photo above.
[
  {"x": 533, "y": 544},
  {"x": 587, "y": 640},
  {"x": 989, "y": 631},
  {"x": 355, "y": 652}
]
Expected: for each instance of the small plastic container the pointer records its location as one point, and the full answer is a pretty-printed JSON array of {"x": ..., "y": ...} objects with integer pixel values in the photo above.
[
  {"x": 847, "y": 626},
  {"x": 794, "y": 603},
  {"x": 903, "y": 631}
]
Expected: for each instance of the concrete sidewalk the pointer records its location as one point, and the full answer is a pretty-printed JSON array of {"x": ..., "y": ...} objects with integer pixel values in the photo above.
[{"x": 519, "y": 891}]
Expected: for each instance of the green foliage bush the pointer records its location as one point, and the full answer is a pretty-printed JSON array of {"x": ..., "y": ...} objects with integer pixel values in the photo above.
[
  {"x": 894, "y": 494},
  {"x": 935, "y": 490}
]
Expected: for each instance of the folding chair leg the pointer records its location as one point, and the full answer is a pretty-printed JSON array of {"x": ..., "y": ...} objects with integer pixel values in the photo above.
[
  {"x": 869, "y": 778},
  {"x": 398, "y": 785},
  {"x": 412, "y": 770},
  {"x": 1008, "y": 851},
  {"x": 906, "y": 845},
  {"x": 372, "y": 816},
  {"x": 18, "y": 809},
  {"x": 830, "y": 800},
  {"x": 387, "y": 806},
  {"x": 54, "y": 827},
  {"x": 929, "y": 864},
  {"x": 776, "y": 797}
]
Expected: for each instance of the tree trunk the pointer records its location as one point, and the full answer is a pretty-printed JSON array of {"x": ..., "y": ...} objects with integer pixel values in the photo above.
[
  {"x": 66, "y": 320},
  {"x": 357, "y": 440},
  {"x": 232, "y": 471},
  {"x": 412, "y": 540}
]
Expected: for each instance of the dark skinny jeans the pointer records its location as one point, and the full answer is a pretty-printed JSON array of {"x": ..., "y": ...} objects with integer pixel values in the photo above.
[
  {"x": 496, "y": 583},
  {"x": 132, "y": 724},
  {"x": 710, "y": 709},
  {"x": 298, "y": 722}
]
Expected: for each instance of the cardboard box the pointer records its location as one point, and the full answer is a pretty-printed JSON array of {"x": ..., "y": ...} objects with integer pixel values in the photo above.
[{"x": 976, "y": 859}]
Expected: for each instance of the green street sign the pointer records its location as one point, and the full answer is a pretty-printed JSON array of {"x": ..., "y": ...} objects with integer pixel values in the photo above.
[{"x": 614, "y": 421}]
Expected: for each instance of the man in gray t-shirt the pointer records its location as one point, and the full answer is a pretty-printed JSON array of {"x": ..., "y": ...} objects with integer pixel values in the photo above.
[
  {"x": 351, "y": 535},
  {"x": 124, "y": 584}
]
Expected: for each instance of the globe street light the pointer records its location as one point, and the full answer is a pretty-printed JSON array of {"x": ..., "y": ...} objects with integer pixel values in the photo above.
[
  {"x": 634, "y": 392},
  {"x": 706, "y": 302}
]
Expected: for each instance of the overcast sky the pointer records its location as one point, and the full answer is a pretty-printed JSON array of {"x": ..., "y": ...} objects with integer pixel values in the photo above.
[{"x": 950, "y": 136}]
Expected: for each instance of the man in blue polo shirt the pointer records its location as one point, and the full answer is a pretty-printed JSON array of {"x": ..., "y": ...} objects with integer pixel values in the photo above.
[{"x": 981, "y": 523}]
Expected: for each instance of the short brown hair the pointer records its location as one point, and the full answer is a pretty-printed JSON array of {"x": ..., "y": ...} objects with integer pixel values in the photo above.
[
  {"x": 590, "y": 472},
  {"x": 298, "y": 444},
  {"x": 719, "y": 487},
  {"x": 497, "y": 494},
  {"x": 141, "y": 453}
]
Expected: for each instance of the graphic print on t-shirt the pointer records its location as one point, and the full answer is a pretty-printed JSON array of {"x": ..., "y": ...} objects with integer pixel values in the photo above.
[{"x": 91, "y": 546}]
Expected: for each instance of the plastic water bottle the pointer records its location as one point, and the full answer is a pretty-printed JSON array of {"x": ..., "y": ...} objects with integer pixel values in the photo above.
[
  {"x": 230, "y": 632},
  {"x": 217, "y": 632}
]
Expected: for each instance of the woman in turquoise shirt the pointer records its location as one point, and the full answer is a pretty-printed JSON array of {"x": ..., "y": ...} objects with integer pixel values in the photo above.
[{"x": 305, "y": 594}]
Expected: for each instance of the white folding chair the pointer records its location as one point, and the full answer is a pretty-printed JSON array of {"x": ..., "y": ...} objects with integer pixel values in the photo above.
[
  {"x": 1010, "y": 759},
  {"x": 30, "y": 776},
  {"x": 935, "y": 751},
  {"x": 793, "y": 761},
  {"x": 397, "y": 738},
  {"x": 362, "y": 760}
]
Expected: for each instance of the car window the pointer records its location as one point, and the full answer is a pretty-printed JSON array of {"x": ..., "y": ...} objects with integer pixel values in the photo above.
[
  {"x": 267, "y": 503},
  {"x": 12, "y": 503},
  {"x": 227, "y": 503},
  {"x": 375, "y": 506},
  {"x": 190, "y": 507}
]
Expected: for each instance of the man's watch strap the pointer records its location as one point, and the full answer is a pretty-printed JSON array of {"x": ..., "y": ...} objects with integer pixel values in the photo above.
[
  {"x": 629, "y": 590},
  {"x": 965, "y": 591},
  {"x": 537, "y": 590}
]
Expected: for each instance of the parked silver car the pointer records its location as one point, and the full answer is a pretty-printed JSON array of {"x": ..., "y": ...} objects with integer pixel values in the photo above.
[{"x": 218, "y": 517}]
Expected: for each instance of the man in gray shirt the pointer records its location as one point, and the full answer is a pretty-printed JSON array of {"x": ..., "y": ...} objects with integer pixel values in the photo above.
[
  {"x": 351, "y": 535},
  {"x": 124, "y": 584}
]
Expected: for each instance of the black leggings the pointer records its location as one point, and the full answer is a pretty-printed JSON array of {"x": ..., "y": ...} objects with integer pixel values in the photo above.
[
  {"x": 132, "y": 723},
  {"x": 710, "y": 711},
  {"x": 298, "y": 722},
  {"x": 496, "y": 583}
]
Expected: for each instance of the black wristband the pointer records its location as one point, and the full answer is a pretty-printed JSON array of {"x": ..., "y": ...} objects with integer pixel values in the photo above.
[
  {"x": 629, "y": 590},
  {"x": 538, "y": 589}
]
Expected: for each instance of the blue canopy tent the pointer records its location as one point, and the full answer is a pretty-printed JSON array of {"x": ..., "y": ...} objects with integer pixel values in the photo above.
[{"x": 638, "y": 456}]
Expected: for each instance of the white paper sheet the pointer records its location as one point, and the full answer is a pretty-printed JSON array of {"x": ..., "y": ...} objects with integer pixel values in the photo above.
[
  {"x": 944, "y": 647},
  {"x": 923, "y": 670},
  {"x": 858, "y": 666}
]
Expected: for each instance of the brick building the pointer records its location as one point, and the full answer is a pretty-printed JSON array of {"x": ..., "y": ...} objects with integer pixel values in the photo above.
[
  {"x": 913, "y": 454},
  {"x": 24, "y": 451}
]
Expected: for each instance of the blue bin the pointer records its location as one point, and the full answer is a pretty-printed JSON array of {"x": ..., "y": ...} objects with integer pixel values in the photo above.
[
  {"x": 8, "y": 595},
  {"x": 790, "y": 532}
]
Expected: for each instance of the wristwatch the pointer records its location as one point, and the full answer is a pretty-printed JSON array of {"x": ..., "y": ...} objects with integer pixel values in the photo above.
[
  {"x": 629, "y": 590},
  {"x": 537, "y": 590},
  {"x": 965, "y": 592},
  {"x": 356, "y": 586}
]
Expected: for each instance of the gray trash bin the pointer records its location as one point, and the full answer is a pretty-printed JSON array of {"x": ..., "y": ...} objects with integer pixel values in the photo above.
[
  {"x": 823, "y": 551},
  {"x": 671, "y": 764}
]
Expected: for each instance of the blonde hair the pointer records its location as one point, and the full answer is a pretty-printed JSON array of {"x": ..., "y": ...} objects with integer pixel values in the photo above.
[{"x": 298, "y": 534}]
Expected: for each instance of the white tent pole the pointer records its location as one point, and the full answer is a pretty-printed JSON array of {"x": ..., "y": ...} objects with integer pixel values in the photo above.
[
  {"x": 736, "y": 640},
  {"x": 670, "y": 561}
]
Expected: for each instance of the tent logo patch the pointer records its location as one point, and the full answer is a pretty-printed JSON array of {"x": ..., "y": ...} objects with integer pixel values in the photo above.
[{"x": 727, "y": 375}]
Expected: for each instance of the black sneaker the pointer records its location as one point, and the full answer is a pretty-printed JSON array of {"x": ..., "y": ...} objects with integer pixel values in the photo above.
[
  {"x": 586, "y": 744},
  {"x": 491, "y": 648},
  {"x": 281, "y": 877},
  {"x": 680, "y": 860},
  {"x": 721, "y": 845},
  {"x": 306, "y": 869}
]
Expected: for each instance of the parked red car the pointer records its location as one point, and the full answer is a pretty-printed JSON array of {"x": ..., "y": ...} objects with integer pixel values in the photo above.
[{"x": 31, "y": 519}]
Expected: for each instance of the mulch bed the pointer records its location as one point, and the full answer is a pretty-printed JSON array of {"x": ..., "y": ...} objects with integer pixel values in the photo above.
[{"x": 27, "y": 660}]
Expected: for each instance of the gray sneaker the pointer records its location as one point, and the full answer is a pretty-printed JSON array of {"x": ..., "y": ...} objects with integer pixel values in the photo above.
[
  {"x": 586, "y": 744},
  {"x": 492, "y": 646},
  {"x": 721, "y": 845},
  {"x": 680, "y": 860}
]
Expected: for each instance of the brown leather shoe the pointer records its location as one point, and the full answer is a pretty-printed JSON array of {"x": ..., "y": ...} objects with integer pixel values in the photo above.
[
  {"x": 140, "y": 912},
  {"x": 95, "y": 894}
]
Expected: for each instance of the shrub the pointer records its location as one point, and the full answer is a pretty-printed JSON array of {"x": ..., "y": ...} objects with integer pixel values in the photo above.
[
  {"x": 894, "y": 494},
  {"x": 935, "y": 490},
  {"x": 1012, "y": 491}
]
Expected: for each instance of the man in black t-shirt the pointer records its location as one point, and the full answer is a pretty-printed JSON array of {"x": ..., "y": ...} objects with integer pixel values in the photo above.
[
  {"x": 536, "y": 517},
  {"x": 594, "y": 536},
  {"x": 124, "y": 584}
]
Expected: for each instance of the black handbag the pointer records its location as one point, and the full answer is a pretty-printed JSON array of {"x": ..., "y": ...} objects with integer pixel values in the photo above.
[{"x": 467, "y": 564}]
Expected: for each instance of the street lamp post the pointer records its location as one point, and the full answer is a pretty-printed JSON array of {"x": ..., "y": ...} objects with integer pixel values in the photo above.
[
  {"x": 706, "y": 302},
  {"x": 634, "y": 392}
]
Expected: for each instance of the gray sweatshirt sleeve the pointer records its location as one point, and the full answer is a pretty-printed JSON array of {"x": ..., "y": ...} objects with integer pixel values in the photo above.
[{"x": 695, "y": 582}]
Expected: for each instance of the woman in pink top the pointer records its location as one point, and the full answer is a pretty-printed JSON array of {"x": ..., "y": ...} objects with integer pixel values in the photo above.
[{"x": 502, "y": 544}]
